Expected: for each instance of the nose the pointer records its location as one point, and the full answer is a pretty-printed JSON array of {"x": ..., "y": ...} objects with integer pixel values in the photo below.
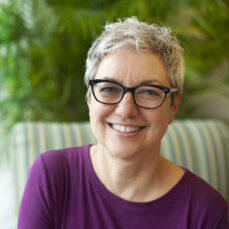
[{"x": 127, "y": 107}]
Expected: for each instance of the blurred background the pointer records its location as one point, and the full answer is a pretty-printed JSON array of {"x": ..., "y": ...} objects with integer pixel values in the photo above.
[{"x": 43, "y": 47}]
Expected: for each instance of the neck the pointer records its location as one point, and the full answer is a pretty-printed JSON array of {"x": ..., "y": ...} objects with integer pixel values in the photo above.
[{"x": 132, "y": 179}]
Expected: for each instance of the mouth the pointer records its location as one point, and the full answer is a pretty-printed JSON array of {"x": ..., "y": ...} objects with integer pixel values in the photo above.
[{"x": 125, "y": 129}]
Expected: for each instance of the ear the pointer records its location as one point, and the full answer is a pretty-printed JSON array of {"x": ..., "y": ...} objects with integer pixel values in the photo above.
[{"x": 175, "y": 105}]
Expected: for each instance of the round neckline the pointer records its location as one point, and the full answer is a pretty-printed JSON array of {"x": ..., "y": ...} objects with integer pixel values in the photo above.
[{"x": 121, "y": 202}]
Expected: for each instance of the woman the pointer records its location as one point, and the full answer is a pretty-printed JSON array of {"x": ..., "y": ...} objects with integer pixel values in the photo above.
[{"x": 134, "y": 74}]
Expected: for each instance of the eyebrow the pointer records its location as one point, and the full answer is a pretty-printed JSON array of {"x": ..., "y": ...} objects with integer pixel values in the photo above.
[{"x": 143, "y": 82}]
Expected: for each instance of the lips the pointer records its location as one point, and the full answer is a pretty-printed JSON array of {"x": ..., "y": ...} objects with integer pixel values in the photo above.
[{"x": 124, "y": 128}]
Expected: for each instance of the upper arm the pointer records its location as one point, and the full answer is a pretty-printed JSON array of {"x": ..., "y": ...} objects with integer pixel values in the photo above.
[{"x": 36, "y": 205}]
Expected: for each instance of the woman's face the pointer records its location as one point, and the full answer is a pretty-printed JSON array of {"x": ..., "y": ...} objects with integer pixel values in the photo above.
[{"x": 144, "y": 128}]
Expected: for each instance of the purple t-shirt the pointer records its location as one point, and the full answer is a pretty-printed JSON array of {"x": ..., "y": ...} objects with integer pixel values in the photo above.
[{"x": 64, "y": 192}]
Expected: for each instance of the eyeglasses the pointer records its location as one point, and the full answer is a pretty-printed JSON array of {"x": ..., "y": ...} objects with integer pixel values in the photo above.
[{"x": 145, "y": 96}]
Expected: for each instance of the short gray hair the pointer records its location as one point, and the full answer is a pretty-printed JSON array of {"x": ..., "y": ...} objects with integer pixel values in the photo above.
[{"x": 132, "y": 33}]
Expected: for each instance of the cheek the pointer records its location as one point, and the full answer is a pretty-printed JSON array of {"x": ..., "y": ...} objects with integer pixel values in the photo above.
[
  {"x": 98, "y": 116},
  {"x": 92, "y": 106},
  {"x": 98, "y": 112},
  {"x": 94, "y": 118},
  {"x": 159, "y": 121}
]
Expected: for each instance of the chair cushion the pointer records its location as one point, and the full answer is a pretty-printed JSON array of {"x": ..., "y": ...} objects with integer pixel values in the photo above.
[
  {"x": 29, "y": 139},
  {"x": 202, "y": 146}
]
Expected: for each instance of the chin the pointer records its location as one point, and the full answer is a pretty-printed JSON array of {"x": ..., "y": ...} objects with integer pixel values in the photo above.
[{"x": 123, "y": 151}]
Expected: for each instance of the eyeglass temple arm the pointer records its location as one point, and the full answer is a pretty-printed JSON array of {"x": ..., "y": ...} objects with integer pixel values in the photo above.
[{"x": 173, "y": 90}]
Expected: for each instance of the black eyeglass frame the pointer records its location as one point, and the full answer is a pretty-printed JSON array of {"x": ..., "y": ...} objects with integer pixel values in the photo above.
[{"x": 166, "y": 90}]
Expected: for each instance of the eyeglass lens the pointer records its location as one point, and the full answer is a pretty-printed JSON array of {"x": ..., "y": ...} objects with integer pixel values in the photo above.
[{"x": 145, "y": 96}]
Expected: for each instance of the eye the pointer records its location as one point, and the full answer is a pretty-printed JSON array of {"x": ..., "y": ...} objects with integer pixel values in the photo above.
[
  {"x": 149, "y": 92},
  {"x": 108, "y": 89}
]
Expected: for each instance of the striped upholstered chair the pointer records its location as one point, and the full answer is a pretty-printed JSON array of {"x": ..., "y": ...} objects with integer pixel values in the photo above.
[{"x": 202, "y": 146}]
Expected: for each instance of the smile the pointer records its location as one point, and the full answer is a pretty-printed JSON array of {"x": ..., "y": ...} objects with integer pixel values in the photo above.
[{"x": 125, "y": 129}]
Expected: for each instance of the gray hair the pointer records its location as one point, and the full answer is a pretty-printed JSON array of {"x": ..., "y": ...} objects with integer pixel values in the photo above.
[{"x": 132, "y": 33}]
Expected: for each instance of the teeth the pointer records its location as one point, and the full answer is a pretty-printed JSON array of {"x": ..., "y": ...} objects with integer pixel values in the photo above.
[{"x": 125, "y": 129}]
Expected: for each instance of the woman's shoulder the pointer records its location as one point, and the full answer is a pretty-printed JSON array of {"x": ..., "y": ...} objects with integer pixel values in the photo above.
[
  {"x": 56, "y": 170},
  {"x": 59, "y": 157},
  {"x": 57, "y": 163},
  {"x": 202, "y": 187},
  {"x": 203, "y": 194},
  {"x": 65, "y": 152},
  {"x": 52, "y": 179}
]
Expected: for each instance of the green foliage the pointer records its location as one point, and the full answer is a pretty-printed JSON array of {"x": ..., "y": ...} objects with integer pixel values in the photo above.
[
  {"x": 11, "y": 28},
  {"x": 43, "y": 47}
]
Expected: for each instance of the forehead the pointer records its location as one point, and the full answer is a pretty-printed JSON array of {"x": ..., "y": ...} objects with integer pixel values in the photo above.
[{"x": 130, "y": 67}]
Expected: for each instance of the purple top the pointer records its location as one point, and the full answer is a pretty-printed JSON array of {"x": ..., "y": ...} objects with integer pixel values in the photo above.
[{"x": 63, "y": 191}]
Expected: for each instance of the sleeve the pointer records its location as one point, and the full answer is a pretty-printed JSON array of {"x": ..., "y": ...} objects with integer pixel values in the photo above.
[{"x": 36, "y": 210}]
